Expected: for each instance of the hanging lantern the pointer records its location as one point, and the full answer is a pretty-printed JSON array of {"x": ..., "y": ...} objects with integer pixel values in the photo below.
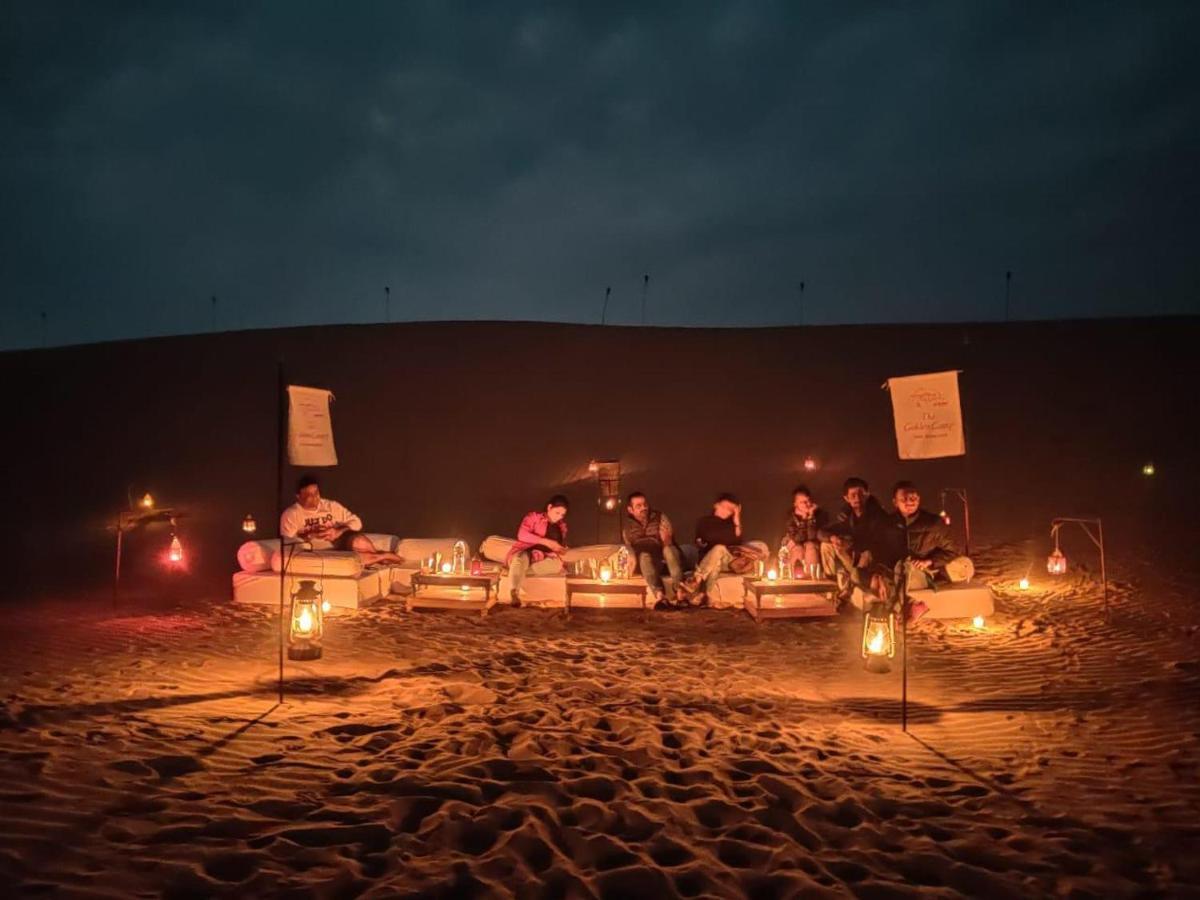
[
  {"x": 810, "y": 464},
  {"x": 1056, "y": 562},
  {"x": 1024, "y": 584},
  {"x": 249, "y": 525},
  {"x": 1148, "y": 469},
  {"x": 605, "y": 573},
  {"x": 610, "y": 503},
  {"x": 879, "y": 636},
  {"x": 459, "y": 557},
  {"x": 147, "y": 502},
  {"x": 944, "y": 516},
  {"x": 175, "y": 553},
  {"x": 307, "y": 624}
]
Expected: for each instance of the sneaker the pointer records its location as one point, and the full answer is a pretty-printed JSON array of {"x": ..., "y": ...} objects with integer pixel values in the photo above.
[{"x": 516, "y": 600}]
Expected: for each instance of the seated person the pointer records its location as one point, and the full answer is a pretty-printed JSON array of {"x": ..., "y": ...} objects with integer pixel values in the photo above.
[
  {"x": 806, "y": 532},
  {"x": 651, "y": 539},
  {"x": 719, "y": 539},
  {"x": 541, "y": 541},
  {"x": 328, "y": 525},
  {"x": 853, "y": 533},
  {"x": 921, "y": 542}
]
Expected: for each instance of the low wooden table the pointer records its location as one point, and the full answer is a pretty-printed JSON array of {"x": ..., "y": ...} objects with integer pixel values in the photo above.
[
  {"x": 754, "y": 589},
  {"x": 490, "y": 582},
  {"x": 624, "y": 586}
]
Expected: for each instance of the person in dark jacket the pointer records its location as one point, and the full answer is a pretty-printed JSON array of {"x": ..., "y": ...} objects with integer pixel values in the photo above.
[
  {"x": 718, "y": 537},
  {"x": 849, "y": 553},
  {"x": 806, "y": 531},
  {"x": 922, "y": 541},
  {"x": 651, "y": 539}
]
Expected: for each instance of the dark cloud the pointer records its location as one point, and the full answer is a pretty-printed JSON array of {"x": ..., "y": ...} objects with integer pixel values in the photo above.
[{"x": 512, "y": 162}]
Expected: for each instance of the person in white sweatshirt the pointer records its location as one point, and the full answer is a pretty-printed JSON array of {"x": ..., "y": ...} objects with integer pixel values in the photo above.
[{"x": 328, "y": 525}]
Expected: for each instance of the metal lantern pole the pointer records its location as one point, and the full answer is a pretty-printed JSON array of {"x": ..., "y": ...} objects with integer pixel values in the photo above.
[
  {"x": 1096, "y": 538},
  {"x": 281, "y": 390}
]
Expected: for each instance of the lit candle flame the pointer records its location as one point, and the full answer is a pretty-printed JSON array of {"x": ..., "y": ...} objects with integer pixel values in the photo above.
[
  {"x": 977, "y": 621},
  {"x": 875, "y": 646},
  {"x": 304, "y": 621},
  {"x": 1024, "y": 584},
  {"x": 176, "y": 552},
  {"x": 772, "y": 575}
]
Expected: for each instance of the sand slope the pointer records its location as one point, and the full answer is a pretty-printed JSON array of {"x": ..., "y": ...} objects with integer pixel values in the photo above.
[{"x": 697, "y": 755}]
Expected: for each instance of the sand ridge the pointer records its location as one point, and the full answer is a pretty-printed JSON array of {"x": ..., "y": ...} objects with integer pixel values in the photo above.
[{"x": 695, "y": 755}]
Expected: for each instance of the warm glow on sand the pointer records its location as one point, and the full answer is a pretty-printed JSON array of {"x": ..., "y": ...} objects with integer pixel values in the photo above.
[{"x": 1024, "y": 584}]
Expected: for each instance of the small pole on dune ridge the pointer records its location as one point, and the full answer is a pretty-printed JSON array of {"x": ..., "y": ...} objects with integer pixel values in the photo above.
[
  {"x": 645, "y": 288},
  {"x": 213, "y": 302},
  {"x": 281, "y": 391},
  {"x": 387, "y": 303},
  {"x": 1007, "y": 289},
  {"x": 604, "y": 308},
  {"x": 802, "y": 303}
]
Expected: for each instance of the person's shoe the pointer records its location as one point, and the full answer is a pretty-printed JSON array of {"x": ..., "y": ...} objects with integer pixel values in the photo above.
[
  {"x": 516, "y": 599},
  {"x": 661, "y": 603},
  {"x": 700, "y": 601},
  {"x": 916, "y": 610}
]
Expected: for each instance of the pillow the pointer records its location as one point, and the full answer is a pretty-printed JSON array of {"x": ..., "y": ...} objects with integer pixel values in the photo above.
[
  {"x": 255, "y": 556},
  {"x": 496, "y": 548}
]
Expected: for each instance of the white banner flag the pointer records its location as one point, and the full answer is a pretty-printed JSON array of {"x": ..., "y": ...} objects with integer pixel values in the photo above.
[
  {"x": 310, "y": 429},
  {"x": 928, "y": 415}
]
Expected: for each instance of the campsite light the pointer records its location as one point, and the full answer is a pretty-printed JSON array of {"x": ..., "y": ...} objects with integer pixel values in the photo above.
[
  {"x": 447, "y": 568},
  {"x": 606, "y": 573},
  {"x": 1148, "y": 469},
  {"x": 810, "y": 464},
  {"x": 249, "y": 525},
  {"x": 1024, "y": 584},
  {"x": 326, "y": 606},
  {"x": 610, "y": 503},
  {"x": 147, "y": 502},
  {"x": 879, "y": 636},
  {"x": 1056, "y": 562},
  {"x": 175, "y": 551},
  {"x": 307, "y": 622},
  {"x": 978, "y": 621},
  {"x": 772, "y": 575},
  {"x": 944, "y": 516}
]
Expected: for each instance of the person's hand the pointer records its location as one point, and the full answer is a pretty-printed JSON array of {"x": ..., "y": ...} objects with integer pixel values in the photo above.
[
  {"x": 840, "y": 542},
  {"x": 865, "y": 559},
  {"x": 922, "y": 565},
  {"x": 554, "y": 545}
]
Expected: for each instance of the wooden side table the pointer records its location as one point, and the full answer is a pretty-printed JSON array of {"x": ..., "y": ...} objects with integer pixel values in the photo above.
[
  {"x": 490, "y": 583},
  {"x": 782, "y": 588},
  {"x": 628, "y": 586}
]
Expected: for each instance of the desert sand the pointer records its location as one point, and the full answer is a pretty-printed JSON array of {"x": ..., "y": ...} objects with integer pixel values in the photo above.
[{"x": 699, "y": 754}]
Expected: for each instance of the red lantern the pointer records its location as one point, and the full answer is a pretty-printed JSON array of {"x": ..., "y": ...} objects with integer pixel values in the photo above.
[{"x": 1056, "y": 562}]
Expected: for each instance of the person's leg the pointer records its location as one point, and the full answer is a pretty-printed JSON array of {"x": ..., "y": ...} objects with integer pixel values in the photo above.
[
  {"x": 366, "y": 551},
  {"x": 674, "y": 562},
  {"x": 517, "y": 567},
  {"x": 715, "y": 562},
  {"x": 811, "y": 553},
  {"x": 549, "y": 565},
  {"x": 829, "y": 559},
  {"x": 648, "y": 566},
  {"x": 690, "y": 557}
]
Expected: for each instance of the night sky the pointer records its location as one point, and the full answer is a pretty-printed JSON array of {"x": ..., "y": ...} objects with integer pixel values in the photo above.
[{"x": 293, "y": 159}]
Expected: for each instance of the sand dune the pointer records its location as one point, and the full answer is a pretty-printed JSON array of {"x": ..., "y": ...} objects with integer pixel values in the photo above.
[{"x": 695, "y": 755}]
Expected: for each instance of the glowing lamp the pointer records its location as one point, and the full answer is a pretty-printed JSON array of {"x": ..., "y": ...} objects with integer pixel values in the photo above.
[
  {"x": 606, "y": 573},
  {"x": 1148, "y": 469},
  {"x": 810, "y": 464},
  {"x": 249, "y": 525},
  {"x": 977, "y": 621},
  {"x": 879, "y": 636},
  {"x": 1056, "y": 563},
  {"x": 944, "y": 516},
  {"x": 175, "y": 553},
  {"x": 1024, "y": 584},
  {"x": 610, "y": 503},
  {"x": 307, "y": 622},
  {"x": 447, "y": 568},
  {"x": 772, "y": 575},
  {"x": 147, "y": 502}
]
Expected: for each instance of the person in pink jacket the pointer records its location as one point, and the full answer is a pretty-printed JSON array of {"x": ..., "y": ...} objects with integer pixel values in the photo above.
[{"x": 541, "y": 541}]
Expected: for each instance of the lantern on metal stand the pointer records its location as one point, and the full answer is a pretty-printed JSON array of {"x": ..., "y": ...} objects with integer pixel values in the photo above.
[
  {"x": 307, "y": 625},
  {"x": 879, "y": 636},
  {"x": 249, "y": 525},
  {"x": 1056, "y": 562}
]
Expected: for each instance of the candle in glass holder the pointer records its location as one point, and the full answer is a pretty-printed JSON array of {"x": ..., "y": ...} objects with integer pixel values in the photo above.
[{"x": 772, "y": 575}]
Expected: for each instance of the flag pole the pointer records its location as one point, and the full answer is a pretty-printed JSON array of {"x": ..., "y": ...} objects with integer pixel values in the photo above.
[{"x": 281, "y": 391}]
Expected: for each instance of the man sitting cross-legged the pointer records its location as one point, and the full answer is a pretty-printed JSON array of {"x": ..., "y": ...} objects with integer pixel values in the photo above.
[
  {"x": 328, "y": 525},
  {"x": 921, "y": 541},
  {"x": 651, "y": 538},
  {"x": 719, "y": 539},
  {"x": 853, "y": 535}
]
